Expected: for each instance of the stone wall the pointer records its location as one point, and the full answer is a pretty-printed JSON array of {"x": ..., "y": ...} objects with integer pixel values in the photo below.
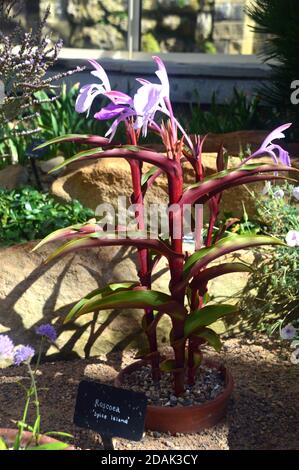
[{"x": 212, "y": 26}]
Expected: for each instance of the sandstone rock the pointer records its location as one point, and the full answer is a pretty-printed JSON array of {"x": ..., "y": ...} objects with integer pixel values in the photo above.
[
  {"x": 13, "y": 176},
  {"x": 105, "y": 180},
  {"x": 32, "y": 293},
  {"x": 49, "y": 165}
]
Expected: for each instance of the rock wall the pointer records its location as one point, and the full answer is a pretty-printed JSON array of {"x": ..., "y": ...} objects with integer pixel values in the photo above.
[{"x": 166, "y": 25}]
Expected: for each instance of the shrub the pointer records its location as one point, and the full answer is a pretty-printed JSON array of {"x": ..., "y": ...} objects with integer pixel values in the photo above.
[
  {"x": 272, "y": 294},
  {"x": 26, "y": 214}
]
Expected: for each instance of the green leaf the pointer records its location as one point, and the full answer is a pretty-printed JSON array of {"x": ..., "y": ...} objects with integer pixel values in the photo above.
[
  {"x": 63, "y": 138},
  {"x": 146, "y": 176},
  {"x": 132, "y": 299},
  {"x": 104, "y": 291},
  {"x": 206, "y": 316},
  {"x": 78, "y": 156},
  {"x": 221, "y": 174},
  {"x": 211, "y": 337},
  {"x": 50, "y": 446},
  {"x": 58, "y": 433},
  {"x": 3, "y": 445},
  {"x": 227, "y": 245}
]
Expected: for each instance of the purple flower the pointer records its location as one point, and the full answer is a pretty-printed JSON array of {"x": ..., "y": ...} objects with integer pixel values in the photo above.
[
  {"x": 48, "y": 331},
  {"x": 278, "y": 194},
  {"x": 296, "y": 193},
  {"x": 6, "y": 351},
  {"x": 288, "y": 332},
  {"x": 89, "y": 92},
  {"x": 23, "y": 354},
  {"x": 270, "y": 148},
  {"x": 292, "y": 238}
]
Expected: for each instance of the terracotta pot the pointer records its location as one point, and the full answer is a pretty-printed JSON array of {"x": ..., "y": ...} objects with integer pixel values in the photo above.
[
  {"x": 9, "y": 436},
  {"x": 189, "y": 419}
]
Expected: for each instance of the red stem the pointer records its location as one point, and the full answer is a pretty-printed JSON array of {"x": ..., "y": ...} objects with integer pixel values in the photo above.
[
  {"x": 144, "y": 272},
  {"x": 175, "y": 188}
]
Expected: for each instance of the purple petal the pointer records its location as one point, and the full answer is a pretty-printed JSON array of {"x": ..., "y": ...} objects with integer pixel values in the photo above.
[
  {"x": 101, "y": 74},
  {"x": 163, "y": 77},
  {"x": 276, "y": 134},
  {"x": 117, "y": 97},
  {"x": 112, "y": 130},
  {"x": 86, "y": 97},
  {"x": 110, "y": 112},
  {"x": 23, "y": 354}
]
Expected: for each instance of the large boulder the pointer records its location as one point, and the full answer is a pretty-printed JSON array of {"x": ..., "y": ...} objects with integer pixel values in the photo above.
[
  {"x": 32, "y": 293},
  {"x": 103, "y": 181}
]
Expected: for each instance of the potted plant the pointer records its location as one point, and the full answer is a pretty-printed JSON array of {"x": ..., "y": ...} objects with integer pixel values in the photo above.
[
  {"x": 187, "y": 302},
  {"x": 25, "y": 436}
]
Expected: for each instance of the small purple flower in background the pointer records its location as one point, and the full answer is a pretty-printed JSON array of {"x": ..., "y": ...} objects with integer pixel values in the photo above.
[
  {"x": 48, "y": 331},
  {"x": 292, "y": 238},
  {"x": 23, "y": 354},
  {"x": 278, "y": 194},
  {"x": 6, "y": 351},
  {"x": 269, "y": 148},
  {"x": 296, "y": 193},
  {"x": 288, "y": 332}
]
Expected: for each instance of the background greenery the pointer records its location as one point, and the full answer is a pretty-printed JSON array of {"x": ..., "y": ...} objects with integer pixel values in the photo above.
[{"x": 27, "y": 214}]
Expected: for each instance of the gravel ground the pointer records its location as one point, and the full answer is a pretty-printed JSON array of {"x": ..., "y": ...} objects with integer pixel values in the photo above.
[
  {"x": 208, "y": 385},
  {"x": 263, "y": 413}
]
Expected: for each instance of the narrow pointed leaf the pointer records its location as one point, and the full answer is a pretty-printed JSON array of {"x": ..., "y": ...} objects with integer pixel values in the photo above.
[
  {"x": 211, "y": 337},
  {"x": 100, "y": 239},
  {"x": 50, "y": 446},
  {"x": 157, "y": 159},
  {"x": 226, "y": 245},
  {"x": 146, "y": 176},
  {"x": 206, "y": 316},
  {"x": 76, "y": 138},
  {"x": 215, "y": 271},
  {"x": 219, "y": 181},
  {"x": 104, "y": 291},
  {"x": 68, "y": 233},
  {"x": 3, "y": 445},
  {"x": 133, "y": 299}
]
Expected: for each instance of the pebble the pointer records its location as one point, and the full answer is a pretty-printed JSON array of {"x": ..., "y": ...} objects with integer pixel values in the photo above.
[{"x": 208, "y": 385}]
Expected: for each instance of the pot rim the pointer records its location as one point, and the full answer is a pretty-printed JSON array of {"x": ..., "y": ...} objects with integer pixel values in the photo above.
[{"x": 222, "y": 397}]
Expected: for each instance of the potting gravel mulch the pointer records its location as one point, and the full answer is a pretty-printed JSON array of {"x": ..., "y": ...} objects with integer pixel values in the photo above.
[
  {"x": 263, "y": 412},
  {"x": 209, "y": 383}
]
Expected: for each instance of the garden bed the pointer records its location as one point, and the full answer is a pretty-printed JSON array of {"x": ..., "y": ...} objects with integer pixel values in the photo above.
[{"x": 263, "y": 413}]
